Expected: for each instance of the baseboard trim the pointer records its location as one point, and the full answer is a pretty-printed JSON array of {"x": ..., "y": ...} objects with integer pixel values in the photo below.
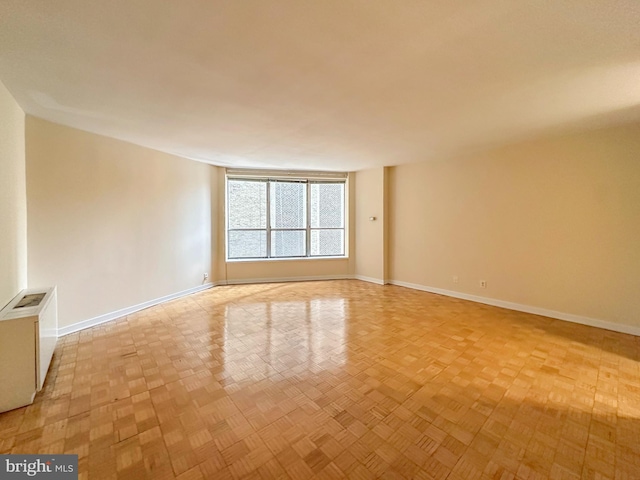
[
  {"x": 568, "y": 317},
  {"x": 243, "y": 281},
  {"x": 378, "y": 281},
  {"x": 107, "y": 317}
]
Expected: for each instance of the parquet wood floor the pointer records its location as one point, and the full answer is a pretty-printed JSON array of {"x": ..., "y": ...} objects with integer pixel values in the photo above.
[{"x": 339, "y": 379}]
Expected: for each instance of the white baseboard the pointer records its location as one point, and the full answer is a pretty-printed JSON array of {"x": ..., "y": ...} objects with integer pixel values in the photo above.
[
  {"x": 283, "y": 279},
  {"x": 92, "y": 322},
  {"x": 592, "y": 322},
  {"x": 568, "y": 317},
  {"x": 378, "y": 281}
]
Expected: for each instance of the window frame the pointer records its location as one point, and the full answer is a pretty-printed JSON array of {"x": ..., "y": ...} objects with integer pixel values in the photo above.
[{"x": 308, "y": 181}]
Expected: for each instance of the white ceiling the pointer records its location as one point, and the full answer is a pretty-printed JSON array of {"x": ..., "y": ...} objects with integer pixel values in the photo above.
[{"x": 322, "y": 84}]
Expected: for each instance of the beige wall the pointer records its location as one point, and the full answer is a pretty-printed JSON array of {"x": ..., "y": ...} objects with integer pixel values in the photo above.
[
  {"x": 553, "y": 224},
  {"x": 278, "y": 270},
  {"x": 370, "y": 237},
  {"x": 217, "y": 223},
  {"x": 286, "y": 270},
  {"x": 13, "y": 200},
  {"x": 110, "y": 223}
]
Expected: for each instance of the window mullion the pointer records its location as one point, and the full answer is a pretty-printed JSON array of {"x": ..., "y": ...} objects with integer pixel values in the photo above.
[
  {"x": 308, "y": 242},
  {"x": 227, "y": 219},
  {"x": 268, "y": 218}
]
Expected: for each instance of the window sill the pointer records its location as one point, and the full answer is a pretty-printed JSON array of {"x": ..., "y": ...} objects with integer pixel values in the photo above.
[{"x": 294, "y": 259}]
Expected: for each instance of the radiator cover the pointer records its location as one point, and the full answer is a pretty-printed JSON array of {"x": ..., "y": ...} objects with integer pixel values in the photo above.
[{"x": 28, "y": 336}]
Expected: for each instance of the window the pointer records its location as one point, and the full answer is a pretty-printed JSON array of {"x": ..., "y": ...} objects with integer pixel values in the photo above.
[{"x": 285, "y": 218}]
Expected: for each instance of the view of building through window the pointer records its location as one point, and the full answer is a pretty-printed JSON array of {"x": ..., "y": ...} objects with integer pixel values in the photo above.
[{"x": 269, "y": 218}]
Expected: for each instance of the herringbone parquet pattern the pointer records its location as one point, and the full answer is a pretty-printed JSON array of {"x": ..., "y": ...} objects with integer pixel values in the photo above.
[{"x": 340, "y": 379}]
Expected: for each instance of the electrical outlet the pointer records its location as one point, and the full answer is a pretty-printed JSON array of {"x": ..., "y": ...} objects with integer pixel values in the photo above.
[
  {"x": 206, "y": 276},
  {"x": 455, "y": 279},
  {"x": 483, "y": 284}
]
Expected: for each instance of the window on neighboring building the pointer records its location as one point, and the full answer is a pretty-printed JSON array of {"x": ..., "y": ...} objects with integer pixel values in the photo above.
[{"x": 285, "y": 217}]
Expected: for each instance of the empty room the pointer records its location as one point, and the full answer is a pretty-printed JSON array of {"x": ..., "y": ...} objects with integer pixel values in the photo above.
[{"x": 289, "y": 239}]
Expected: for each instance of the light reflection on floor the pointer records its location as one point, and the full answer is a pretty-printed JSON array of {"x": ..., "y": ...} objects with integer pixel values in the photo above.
[
  {"x": 337, "y": 379},
  {"x": 287, "y": 337}
]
